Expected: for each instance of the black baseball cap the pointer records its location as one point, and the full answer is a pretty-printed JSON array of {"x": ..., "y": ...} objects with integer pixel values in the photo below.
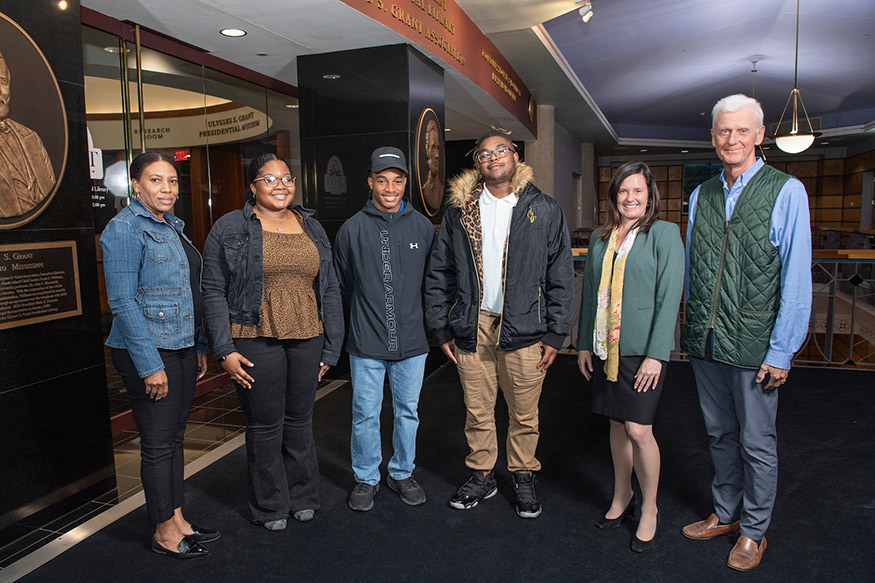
[{"x": 388, "y": 157}]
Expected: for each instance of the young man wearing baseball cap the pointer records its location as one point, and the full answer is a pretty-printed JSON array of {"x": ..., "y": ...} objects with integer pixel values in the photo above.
[{"x": 380, "y": 256}]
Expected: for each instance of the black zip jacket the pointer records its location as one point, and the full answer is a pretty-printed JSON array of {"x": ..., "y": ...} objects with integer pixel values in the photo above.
[
  {"x": 538, "y": 269},
  {"x": 233, "y": 280},
  {"x": 380, "y": 260}
]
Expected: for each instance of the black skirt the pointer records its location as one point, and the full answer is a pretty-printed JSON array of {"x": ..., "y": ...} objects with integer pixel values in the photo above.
[{"x": 620, "y": 400}]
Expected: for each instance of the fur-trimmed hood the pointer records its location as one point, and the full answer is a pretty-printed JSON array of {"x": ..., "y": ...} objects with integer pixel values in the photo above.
[{"x": 466, "y": 187}]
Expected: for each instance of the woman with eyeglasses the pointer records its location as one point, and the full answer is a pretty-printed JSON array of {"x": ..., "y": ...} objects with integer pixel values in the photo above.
[{"x": 274, "y": 320}]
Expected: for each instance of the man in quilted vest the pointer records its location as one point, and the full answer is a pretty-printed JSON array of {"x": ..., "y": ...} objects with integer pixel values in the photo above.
[{"x": 748, "y": 293}]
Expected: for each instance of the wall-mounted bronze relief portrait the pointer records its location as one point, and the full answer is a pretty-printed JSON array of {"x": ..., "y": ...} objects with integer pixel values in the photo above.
[
  {"x": 430, "y": 161},
  {"x": 33, "y": 128}
]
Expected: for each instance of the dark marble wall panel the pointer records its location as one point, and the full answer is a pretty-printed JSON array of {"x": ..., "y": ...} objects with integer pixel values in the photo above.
[
  {"x": 55, "y": 437},
  {"x": 370, "y": 96},
  {"x": 55, "y": 442},
  {"x": 353, "y": 152},
  {"x": 375, "y": 102}
]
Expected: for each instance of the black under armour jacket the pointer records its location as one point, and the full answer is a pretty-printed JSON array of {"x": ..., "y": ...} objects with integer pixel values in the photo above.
[{"x": 380, "y": 260}]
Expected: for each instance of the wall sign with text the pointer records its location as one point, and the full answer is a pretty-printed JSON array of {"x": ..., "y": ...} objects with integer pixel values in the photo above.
[
  {"x": 38, "y": 282},
  {"x": 442, "y": 28}
]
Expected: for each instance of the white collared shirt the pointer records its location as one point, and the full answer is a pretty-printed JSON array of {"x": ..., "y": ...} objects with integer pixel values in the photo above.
[{"x": 495, "y": 215}]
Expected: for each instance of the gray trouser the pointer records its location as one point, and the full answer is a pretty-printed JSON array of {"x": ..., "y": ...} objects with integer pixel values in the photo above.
[{"x": 740, "y": 421}]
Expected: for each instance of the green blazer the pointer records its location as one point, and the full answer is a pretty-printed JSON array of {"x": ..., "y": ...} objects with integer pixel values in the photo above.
[{"x": 652, "y": 287}]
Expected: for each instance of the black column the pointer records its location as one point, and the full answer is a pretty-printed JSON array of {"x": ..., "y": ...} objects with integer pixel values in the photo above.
[
  {"x": 55, "y": 441},
  {"x": 352, "y": 102}
]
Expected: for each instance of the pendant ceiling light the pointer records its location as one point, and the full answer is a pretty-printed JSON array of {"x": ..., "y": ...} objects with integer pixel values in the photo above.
[
  {"x": 753, "y": 92},
  {"x": 795, "y": 141}
]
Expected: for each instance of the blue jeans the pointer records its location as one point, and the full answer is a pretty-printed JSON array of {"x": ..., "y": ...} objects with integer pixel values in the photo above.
[{"x": 405, "y": 380}]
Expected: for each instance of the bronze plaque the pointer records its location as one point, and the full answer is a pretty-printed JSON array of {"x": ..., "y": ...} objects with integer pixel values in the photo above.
[
  {"x": 38, "y": 282},
  {"x": 33, "y": 128},
  {"x": 430, "y": 161}
]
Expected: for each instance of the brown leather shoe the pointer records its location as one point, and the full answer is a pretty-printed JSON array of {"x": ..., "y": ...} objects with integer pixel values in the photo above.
[
  {"x": 746, "y": 555},
  {"x": 709, "y": 528}
]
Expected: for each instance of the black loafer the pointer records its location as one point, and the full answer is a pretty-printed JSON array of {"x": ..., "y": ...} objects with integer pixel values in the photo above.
[
  {"x": 203, "y": 535},
  {"x": 188, "y": 549}
]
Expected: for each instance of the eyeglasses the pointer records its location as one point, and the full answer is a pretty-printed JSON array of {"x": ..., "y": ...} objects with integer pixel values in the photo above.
[
  {"x": 272, "y": 181},
  {"x": 488, "y": 155}
]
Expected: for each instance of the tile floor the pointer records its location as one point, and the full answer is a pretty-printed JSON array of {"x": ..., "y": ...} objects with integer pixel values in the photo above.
[{"x": 215, "y": 418}]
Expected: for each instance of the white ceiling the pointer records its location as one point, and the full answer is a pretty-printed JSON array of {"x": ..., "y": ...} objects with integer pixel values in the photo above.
[{"x": 637, "y": 73}]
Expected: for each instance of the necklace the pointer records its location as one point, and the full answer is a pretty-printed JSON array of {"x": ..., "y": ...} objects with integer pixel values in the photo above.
[{"x": 277, "y": 225}]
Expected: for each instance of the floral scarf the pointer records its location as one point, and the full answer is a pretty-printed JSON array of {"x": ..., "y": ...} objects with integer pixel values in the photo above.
[{"x": 606, "y": 336}]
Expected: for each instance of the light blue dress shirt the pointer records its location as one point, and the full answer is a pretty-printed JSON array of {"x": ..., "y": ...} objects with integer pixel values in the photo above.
[{"x": 790, "y": 233}]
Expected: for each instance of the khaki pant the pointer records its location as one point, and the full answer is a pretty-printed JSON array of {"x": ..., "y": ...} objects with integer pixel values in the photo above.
[{"x": 514, "y": 371}]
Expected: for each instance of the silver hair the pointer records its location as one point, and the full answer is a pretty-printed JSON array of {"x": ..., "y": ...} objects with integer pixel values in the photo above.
[{"x": 737, "y": 102}]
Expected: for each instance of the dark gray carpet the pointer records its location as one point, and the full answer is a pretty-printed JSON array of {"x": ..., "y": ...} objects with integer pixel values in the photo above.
[{"x": 822, "y": 528}]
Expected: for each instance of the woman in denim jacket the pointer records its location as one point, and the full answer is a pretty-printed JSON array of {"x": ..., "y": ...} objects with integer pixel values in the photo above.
[
  {"x": 274, "y": 319},
  {"x": 153, "y": 286}
]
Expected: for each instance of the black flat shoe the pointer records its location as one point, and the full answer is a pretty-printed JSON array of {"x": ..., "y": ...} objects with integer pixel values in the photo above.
[
  {"x": 606, "y": 523},
  {"x": 639, "y": 546},
  {"x": 188, "y": 549},
  {"x": 203, "y": 535}
]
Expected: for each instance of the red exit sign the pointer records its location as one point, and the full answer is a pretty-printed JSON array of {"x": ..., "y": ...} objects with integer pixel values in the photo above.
[{"x": 181, "y": 155}]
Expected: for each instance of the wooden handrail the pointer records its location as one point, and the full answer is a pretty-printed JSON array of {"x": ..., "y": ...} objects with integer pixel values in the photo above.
[{"x": 862, "y": 254}]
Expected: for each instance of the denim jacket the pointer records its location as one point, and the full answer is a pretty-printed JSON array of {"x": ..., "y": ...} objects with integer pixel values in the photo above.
[
  {"x": 148, "y": 287},
  {"x": 234, "y": 280}
]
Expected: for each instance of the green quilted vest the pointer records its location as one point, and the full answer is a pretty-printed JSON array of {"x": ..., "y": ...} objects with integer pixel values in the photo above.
[{"x": 735, "y": 272}]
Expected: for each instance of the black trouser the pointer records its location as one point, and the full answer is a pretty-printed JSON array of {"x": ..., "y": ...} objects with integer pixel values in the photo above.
[
  {"x": 161, "y": 425},
  {"x": 281, "y": 456}
]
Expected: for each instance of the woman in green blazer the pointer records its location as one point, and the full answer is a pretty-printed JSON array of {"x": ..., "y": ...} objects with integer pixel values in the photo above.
[{"x": 632, "y": 286}]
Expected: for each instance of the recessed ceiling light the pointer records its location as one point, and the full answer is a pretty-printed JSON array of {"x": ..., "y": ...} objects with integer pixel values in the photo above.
[
  {"x": 824, "y": 143},
  {"x": 766, "y": 147},
  {"x": 331, "y": 76},
  {"x": 62, "y": 4},
  {"x": 643, "y": 150},
  {"x": 111, "y": 49},
  {"x": 232, "y": 32},
  {"x": 684, "y": 151},
  {"x": 448, "y": 129},
  {"x": 702, "y": 113},
  {"x": 292, "y": 105}
]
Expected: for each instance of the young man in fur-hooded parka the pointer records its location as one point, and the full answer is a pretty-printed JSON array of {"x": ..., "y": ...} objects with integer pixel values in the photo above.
[{"x": 498, "y": 294}]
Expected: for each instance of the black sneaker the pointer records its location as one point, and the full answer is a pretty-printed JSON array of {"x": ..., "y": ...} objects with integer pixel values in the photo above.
[
  {"x": 409, "y": 489},
  {"x": 524, "y": 496},
  {"x": 478, "y": 487},
  {"x": 361, "y": 498}
]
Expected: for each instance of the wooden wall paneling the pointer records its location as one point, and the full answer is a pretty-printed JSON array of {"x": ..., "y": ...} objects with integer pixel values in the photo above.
[{"x": 800, "y": 170}]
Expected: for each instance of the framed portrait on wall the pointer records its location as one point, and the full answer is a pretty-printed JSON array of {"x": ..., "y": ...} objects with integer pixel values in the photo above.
[
  {"x": 430, "y": 161},
  {"x": 33, "y": 128}
]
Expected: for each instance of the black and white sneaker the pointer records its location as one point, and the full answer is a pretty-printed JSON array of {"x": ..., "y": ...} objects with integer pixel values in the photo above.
[
  {"x": 524, "y": 496},
  {"x": 478, "y": 487}
]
